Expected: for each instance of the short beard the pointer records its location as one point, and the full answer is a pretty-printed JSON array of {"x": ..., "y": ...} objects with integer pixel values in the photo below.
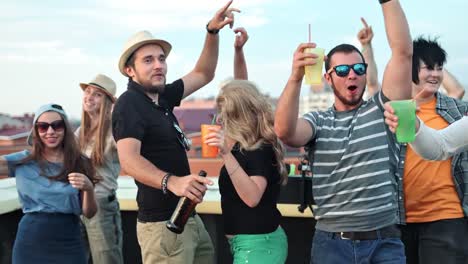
[
  {"x": 346, "y": 101},
  {"x": 158, "y": 89}
]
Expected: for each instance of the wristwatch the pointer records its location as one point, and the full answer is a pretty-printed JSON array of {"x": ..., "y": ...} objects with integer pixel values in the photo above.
[{"x": 211, "y": 31}]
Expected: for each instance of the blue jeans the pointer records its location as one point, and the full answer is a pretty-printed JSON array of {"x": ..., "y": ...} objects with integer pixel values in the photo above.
[{"x": 328, "y": 248}]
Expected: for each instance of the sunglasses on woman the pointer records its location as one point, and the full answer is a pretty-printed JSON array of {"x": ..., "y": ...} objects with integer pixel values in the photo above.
[
  {"x": 57, "y": 126},
  {"x": 344, "y": 69}
]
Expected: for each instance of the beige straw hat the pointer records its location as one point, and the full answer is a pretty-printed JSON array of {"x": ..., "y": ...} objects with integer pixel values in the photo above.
[
  {"x": 104, "y": 83},
  {"x": 135, "y": 42}
]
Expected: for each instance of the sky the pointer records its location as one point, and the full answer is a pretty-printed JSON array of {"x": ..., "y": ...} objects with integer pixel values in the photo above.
[{"x": 48, "y": 47}]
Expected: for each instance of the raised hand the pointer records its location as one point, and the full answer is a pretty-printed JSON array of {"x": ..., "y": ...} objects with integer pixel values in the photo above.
[
  {"x": 366, "y": 34},
  {"x": 390, "y": 118},
  {"x": 302, "y": 59},
  {"x": 241, "y": 37},
  {"x": 80, "y": 181},
  {"x": 223, "y": 17},
  {"x": 216, "y": 138}
]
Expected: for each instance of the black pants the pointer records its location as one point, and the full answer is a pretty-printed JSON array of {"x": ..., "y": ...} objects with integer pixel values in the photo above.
[{"x": 438, "y": 242}]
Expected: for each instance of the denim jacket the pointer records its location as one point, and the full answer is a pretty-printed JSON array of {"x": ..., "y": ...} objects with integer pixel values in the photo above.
[{"x": 450, "y": 110}]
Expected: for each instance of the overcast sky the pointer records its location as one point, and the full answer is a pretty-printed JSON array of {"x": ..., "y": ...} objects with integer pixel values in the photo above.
[{"x": 48, "y": 47}]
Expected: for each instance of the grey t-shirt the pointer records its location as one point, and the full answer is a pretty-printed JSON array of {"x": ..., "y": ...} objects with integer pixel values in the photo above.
[
  {"x": 109, "y": 170},
  {"x": 353, "y": 157}
]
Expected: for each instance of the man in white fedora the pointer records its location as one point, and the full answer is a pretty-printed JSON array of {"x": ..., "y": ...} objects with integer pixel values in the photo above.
[
  {"x": 152, "y": 148},
  {"x": 103, "y": 232}
]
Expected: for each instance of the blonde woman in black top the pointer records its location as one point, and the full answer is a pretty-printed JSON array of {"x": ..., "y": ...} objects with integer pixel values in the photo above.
[{"x": 252, "y": 174}]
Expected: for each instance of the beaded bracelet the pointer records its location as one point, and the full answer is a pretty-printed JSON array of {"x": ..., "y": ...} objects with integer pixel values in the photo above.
[{"x": 164, "y": 182}]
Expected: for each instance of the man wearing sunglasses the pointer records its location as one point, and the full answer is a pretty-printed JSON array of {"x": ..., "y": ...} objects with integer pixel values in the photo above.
[
  {"x": 152, "y": 148},
  {"x": 356, "y": 182}
]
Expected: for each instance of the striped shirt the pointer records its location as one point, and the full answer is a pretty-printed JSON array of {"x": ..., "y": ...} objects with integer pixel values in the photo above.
[{"x": 354, "y": 159}]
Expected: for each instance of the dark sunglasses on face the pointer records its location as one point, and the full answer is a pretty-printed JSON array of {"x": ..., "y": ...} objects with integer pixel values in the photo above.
[
  {"x": 183, "y": 140},
  {"x": 57, "y": 126},
  {"x": 344, "y": 69}
]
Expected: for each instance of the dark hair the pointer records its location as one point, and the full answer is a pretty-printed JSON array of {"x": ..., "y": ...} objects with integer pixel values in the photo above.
[
  {"x": 131, "y": 60},
  {"x": 342, "y": 48},
  {"x": 73, "y": 159},
  {"x": 428, "y": 51}
]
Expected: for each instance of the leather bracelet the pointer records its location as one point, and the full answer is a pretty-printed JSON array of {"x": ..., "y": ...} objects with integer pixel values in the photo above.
[
  {"x": 211, "y": 31},
  {"x": 164, "y": 182},
  {"x": 384, "y": 1}
]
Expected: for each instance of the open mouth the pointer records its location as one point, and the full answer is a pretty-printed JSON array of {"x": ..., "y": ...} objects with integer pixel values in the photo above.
[
  {"x": 159, "y": 75},
  {"x": 352, "y": 88}
]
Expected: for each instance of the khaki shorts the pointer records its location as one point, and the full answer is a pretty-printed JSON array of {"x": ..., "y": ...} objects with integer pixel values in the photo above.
[{"x": 159, "y": 245}]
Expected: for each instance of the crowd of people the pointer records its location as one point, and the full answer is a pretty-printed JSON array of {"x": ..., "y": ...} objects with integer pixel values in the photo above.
[{"x": 376, "y": 200}]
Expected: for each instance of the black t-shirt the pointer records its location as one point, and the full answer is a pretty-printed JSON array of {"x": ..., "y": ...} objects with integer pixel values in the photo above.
[
  {"x": 240, "y": 218},
  {"x": 136, "y": 116}
]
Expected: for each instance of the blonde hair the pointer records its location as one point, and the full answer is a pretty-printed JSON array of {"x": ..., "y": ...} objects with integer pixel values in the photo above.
[
  {"x": 99, "y": 134},
  {"x": 247, "y": 118}
]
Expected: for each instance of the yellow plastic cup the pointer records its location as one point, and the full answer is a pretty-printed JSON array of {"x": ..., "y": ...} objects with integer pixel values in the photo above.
[{"x": 313, "y": 73}]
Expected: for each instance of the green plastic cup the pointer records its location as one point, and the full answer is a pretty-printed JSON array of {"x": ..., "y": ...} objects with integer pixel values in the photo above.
[{"x": 406, "y": 112}]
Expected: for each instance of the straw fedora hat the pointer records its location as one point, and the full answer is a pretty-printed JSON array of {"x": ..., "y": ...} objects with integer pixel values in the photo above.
[
  {"x": 104, "y": 83},
  {"x": 135, "y": 42}
]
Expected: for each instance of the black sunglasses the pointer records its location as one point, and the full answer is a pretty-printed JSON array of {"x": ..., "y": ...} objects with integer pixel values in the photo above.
[
  {"x": 344, "y": 69},
  {"x": 183, "y": 140},
  {"x": 57, "y": 126}
]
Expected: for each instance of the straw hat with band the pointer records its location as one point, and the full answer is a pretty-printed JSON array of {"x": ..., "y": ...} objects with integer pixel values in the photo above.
[
  {"x": 137, "y": 41},
  {"x": 45, "y": 108},
  {"x": 103, "y": 83}
]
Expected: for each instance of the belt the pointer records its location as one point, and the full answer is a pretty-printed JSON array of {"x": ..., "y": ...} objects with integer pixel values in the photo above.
[
  {"x": 193, "y": 214},
  {"x": 392, "y": 231}
]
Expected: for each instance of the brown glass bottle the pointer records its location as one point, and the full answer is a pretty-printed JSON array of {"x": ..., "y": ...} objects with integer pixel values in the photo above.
[{"x": 182, "y": 212}]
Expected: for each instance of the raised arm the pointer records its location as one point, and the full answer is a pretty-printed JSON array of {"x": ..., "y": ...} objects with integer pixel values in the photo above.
[
  {"x": 441, "y": 144},
  {"x": 365, "y": 36},
  {"x": 205, "y": 67},
  {"x": 453, "y": 87},
  {"x": 290, "y": 129},
  {"x": 240, "y": 66},
  {"x": 433, "y": 144},
  {"x": 396, "y": 84}
]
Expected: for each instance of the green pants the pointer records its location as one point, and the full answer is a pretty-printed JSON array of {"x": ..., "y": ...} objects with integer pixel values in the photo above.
[{"x": 269, "y": 248}]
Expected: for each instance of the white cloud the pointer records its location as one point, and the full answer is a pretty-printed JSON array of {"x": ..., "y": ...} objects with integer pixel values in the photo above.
[{"x": 45, "y": 52}]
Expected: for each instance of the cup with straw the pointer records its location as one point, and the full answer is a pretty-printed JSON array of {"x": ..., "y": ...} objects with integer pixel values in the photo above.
[
  {"x": 207, "y": 150},
  {"x": 313, "y": 73}
]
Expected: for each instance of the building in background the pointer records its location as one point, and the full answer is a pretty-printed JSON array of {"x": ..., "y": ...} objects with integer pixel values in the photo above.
[{"x": 320, "y": 98}]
